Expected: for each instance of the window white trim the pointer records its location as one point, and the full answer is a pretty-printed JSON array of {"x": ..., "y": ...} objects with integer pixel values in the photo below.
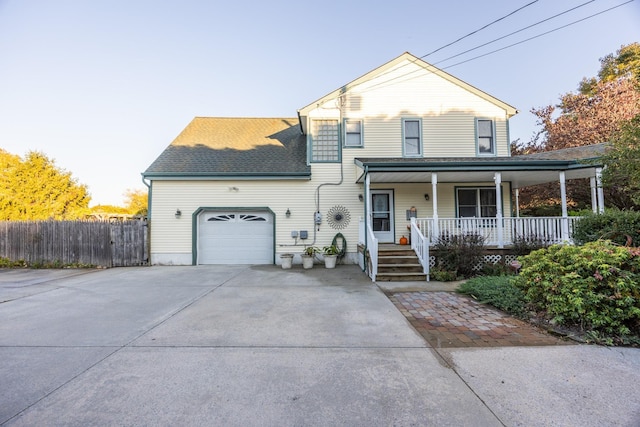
[
  {"x": 485, "y": 136},
  {"x": 412, "y": 138},
  {"x": 353, "y": 133}
]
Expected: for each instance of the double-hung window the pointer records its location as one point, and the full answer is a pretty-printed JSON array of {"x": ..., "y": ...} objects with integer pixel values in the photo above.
[
  {"x": 476, "y": 202},
  {"x": 353, "y": 133},
  {"x": 486, "y": 137},
  {"x": 412, "y": 137},
  {"x": 325, "y": 141}
]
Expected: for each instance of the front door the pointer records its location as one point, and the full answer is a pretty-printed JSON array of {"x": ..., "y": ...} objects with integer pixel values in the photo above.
[{"x": 382, "y": 215}]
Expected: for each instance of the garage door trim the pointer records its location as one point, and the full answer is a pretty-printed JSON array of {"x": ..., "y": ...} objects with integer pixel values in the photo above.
[{"x": 196, "y": 214}]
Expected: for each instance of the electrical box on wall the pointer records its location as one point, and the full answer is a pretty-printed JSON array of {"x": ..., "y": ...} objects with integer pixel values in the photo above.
[
  {"x": 318, "y": 218},
  {"x": 304, "y": 235},
  {"x": 294, "y": 234}
]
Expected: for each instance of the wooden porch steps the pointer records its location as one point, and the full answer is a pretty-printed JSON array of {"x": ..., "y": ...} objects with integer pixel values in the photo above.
[{"x": 398, "y": 263}]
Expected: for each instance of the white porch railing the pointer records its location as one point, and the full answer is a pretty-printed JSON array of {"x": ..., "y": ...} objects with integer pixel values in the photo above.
[
  {"x": 371, "y": 248},
  {"x": 420, "y": 244},
  {"x": 550, "y": 230}
]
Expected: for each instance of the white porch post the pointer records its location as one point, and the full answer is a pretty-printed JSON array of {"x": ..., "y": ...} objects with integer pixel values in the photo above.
[
  {"x": 434, "y": 200},
  {"x": 594, "y": 196},
  {"x": 565, "y": 215},
  {"x": 497, "y": 177},
  {"x": 517, "y": 203},
  {"x": 600, "y": 190},
  {"x": 367, "y": 202}
]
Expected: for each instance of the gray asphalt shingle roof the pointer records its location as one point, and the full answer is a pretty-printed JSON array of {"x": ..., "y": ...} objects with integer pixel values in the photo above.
[{"x": 214, "y": 146}]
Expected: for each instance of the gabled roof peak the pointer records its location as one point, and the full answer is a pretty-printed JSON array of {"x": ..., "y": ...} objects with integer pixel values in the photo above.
[{"x": 406, "y": 56}]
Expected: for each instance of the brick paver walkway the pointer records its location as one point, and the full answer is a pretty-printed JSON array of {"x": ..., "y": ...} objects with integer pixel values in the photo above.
[{"x": 448, "y": 320}]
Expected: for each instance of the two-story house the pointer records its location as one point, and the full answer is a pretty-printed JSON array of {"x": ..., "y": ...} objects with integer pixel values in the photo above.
[{"x": 406, "y": 143}]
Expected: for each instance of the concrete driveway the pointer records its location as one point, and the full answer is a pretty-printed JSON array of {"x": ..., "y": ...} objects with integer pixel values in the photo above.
[{"x": 238, "y": 345}]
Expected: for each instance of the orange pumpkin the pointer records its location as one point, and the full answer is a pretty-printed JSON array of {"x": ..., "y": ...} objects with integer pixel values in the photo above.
[{"x": 403, "y": 240}]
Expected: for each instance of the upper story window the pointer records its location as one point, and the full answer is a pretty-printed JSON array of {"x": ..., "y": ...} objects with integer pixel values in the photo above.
[
  {"x": 476, "y": 203},
  {"x": 486, "y": 137},
  {"x": 412, "y": 137},
  {"x": 353, "y": 133},
  {"x": 325, "y": 141}
]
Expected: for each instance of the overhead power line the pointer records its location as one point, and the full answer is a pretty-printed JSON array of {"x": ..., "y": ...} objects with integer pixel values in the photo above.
[
  {"x": 515, "y": 32},
  {"x": 479, "y": 29},
  {"x": 539, "y": 35},
  {"x": 498, "y": 50}
]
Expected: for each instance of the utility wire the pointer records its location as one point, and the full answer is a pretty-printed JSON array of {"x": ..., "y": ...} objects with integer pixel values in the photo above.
[
  {"x": 539, "y": 35},
  {"x": 515, "y": 32},
  {"x": 479, "y": 29},
  {"x": 497, "y": 50},
  {"x": 463, "y": 37}
]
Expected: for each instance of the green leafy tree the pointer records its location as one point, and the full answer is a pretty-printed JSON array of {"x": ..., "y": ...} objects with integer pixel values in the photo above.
[
  {"x": 593, "y": 115},
  {"x": 623, "y": 162},
  {"x": 625, "y": 63},
  {"x": 36, "y": 189},
  {"x": 136, "y": 202}
]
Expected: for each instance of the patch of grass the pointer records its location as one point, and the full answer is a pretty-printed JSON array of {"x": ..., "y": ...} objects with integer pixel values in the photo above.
[
  {"x": 6, "y": 263},
  {"x": 498, "y": 291}
]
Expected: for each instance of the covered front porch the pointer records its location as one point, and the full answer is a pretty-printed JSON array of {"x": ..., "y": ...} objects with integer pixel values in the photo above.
[{"x": 474, "y": 194}]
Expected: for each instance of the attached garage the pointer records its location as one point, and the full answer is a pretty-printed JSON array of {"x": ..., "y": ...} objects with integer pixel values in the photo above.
[{"x": 235, "y": 237}]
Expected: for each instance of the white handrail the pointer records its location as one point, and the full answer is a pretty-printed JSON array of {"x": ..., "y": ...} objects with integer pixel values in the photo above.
[
  {"x": 372, "y": 247},
  {"x": 420, "y": 244}
]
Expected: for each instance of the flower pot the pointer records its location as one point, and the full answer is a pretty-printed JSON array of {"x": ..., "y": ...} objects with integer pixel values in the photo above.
[
  {"x": 287, "y": 261},
  {"x": 307, "y": 261},
  {"x": 330, "y": 261}
]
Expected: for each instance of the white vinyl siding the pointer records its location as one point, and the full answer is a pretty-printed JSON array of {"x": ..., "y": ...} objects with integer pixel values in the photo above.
[
  {"x": 172, "y": 238},
  {"x": 447, "y": 112}
]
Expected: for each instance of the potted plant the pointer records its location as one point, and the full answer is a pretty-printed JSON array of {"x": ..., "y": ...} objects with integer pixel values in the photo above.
[
  {"x": 307, "y": 256},
  {"x": 287, "y": 261},
  {"x": 330, "y": 255}
]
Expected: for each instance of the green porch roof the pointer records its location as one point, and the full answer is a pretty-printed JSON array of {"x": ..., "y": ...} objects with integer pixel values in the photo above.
[{"x": 521, "y": 171}]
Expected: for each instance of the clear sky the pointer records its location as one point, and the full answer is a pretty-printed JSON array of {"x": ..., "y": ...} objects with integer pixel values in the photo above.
[{"x": 103, "y": 86}]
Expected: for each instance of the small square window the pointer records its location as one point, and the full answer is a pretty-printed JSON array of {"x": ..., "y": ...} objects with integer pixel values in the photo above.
[{"x": 353, "y": 133}]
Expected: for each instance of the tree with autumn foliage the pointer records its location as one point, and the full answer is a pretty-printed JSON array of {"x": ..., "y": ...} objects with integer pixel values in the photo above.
[
  {"x": 36, "y": 189},
  {"x": 597, "y": 113}
]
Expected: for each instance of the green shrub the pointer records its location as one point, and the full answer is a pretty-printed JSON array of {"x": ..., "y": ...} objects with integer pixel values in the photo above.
[
  {"x": 499, "y": 291},
  {"x": 615, "y": 225},
  {"x": 440, "y": 275},
  {"x": 524, "y": 246},
  {"x": 460, "y": 253},
  {"x": 595, "y": 286}
]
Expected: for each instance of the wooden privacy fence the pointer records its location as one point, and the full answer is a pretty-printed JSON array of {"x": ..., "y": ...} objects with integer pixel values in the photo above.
[{"x": 99, "y": 243}]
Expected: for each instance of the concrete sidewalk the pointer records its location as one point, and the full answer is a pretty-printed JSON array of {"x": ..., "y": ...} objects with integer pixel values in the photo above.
[{"x": 238, "y": 345}]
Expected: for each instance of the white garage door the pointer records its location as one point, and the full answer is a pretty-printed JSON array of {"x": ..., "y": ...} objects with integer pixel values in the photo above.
[{"x": 235, "y": 238}]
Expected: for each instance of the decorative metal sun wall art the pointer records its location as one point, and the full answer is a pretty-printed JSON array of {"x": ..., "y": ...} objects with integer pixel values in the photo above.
[{"x": 338, "y": 217}]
